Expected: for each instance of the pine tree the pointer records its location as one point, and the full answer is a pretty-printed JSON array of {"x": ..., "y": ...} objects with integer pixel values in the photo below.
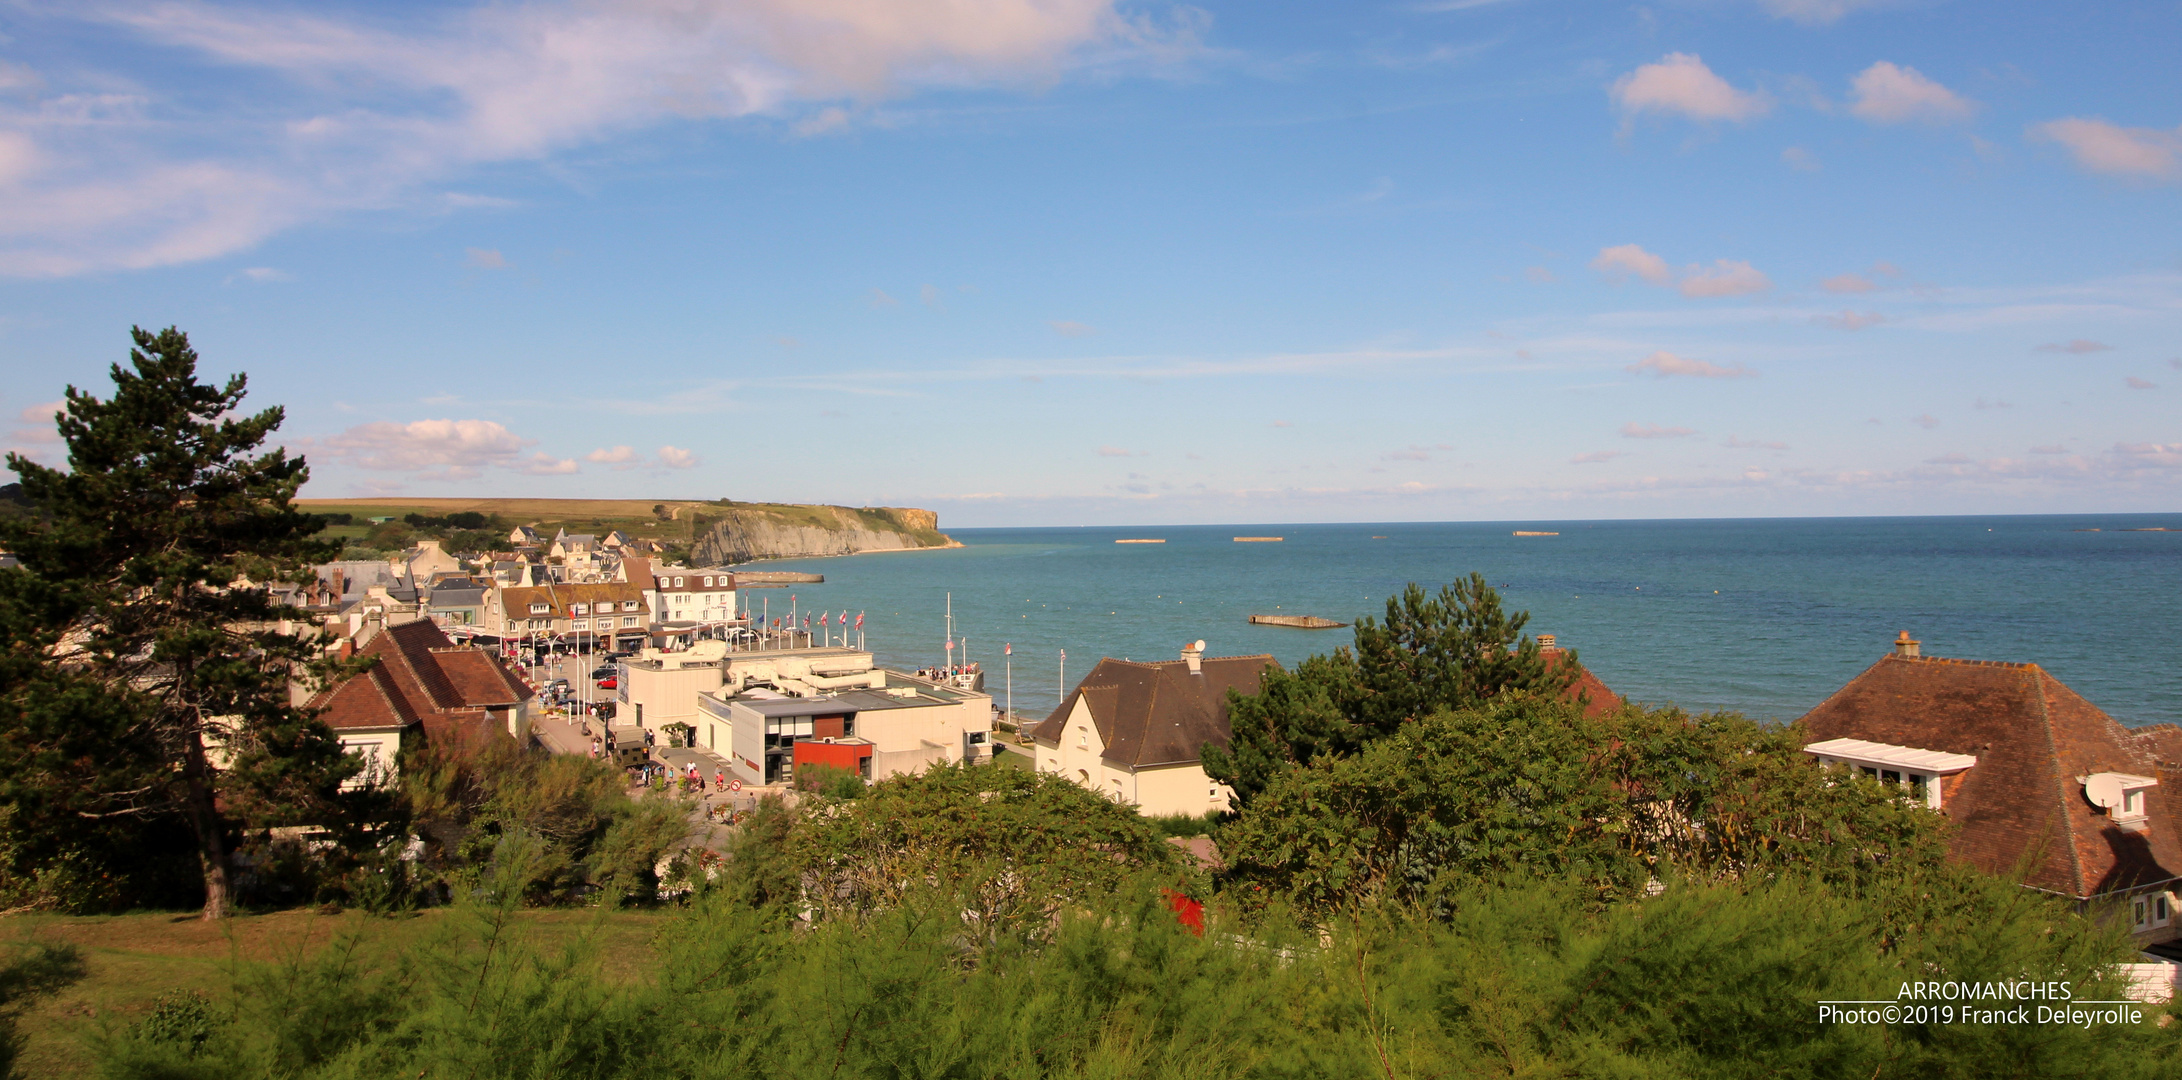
[
  {"x": 145, "y": 572},
  {"x": 1457, "y": 650}
]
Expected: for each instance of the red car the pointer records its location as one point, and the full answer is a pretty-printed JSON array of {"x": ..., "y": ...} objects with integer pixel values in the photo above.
[{"x": 609, "y": 683}]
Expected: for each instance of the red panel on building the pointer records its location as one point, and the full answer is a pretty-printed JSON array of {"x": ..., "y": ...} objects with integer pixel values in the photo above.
[{"x": 852, "y": 757}]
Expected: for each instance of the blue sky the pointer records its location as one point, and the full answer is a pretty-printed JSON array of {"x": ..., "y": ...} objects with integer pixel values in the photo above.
[{"x": 1088, "y": 261}]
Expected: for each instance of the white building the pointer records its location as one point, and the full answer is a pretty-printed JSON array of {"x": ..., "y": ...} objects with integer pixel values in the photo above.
[{"x": 1134, "y": 731}]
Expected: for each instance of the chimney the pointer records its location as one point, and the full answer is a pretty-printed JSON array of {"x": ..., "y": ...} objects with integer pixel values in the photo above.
[
  {"x": 1193, "y": 654},
  {"x": 1905, "y": 648},
  {"x": 1545, "y": 643}
]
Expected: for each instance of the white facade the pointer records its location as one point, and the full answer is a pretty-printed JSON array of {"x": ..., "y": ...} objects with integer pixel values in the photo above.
[{"x": 1156, "y": 791}]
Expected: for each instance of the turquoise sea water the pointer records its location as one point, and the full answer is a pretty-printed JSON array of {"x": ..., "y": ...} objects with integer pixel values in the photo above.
[{"x": 1765, "y": 617}]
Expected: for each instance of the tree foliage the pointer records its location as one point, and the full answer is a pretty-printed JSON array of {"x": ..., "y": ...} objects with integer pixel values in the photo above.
[
  {"x": 1455, "y": 650},
  {"x": 1533, "y": 787},
  {"x": 1016, "y": 847},
  {"x": 141, "y": 615}
]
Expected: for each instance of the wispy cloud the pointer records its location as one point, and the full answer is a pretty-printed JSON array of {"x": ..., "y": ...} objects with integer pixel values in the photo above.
[
  {"x": 1634, "y": 430},
  {"x": 1066, "y": 328},
  {"x": 1112, "y": 451},
  {"x": 1739, "y": 443},
  {"x": 362, "y": 116},
  {"x": 2076, "y": 346},
  {"x": 1816, "y": 12},
  {"x": 2135, "y": 383},
  {"x": 484, "y": 258},
  {"x": 1726, "y": 277},
  {"x": 1926, "y": 421},
  {"x": 1665, "y": 364},
  {"x": 1850, "y": 320},
  {"x": 433, "y": 449},
  {"x": 1595, "y": 457},
  {"x": 2102, "y": 147}
]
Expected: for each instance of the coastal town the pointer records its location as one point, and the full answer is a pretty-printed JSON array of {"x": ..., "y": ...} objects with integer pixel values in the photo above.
[{"x": 589, "y": 645}]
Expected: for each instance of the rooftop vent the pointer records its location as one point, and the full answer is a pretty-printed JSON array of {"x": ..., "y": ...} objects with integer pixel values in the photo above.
[
  {"x": 1545, "y": 643},
  {"x": 1193, "y": 654},
  {"x": 1905, "y": 648}
]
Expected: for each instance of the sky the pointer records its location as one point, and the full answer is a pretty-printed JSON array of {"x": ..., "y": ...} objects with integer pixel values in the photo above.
[{"x": 1069, "y": 262}]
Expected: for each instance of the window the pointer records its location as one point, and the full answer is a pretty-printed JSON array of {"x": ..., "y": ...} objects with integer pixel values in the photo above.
[
  {"x": 540, "y": 609},
  {"x": 1917, "y": 783},
  {"x": 1083, "y": 739},
  {"x": 2140, "y": 913},
  {"x": 708, "y": 582},
  {"x": 581, "y": 624},
  {"x": 628, "y": 620},
  {"x": 579, "y": 609},
  {"x": 677, "y": 583},
  {"x": 631, "y": 605},
  {"x": 2159, "y": 908}
]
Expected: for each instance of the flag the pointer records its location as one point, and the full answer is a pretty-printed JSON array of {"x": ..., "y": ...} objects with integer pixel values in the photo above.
[
  {"x": 822, "y": 617},
  {"x": 859, "y": 620},
  {"x": 1064, "y": 654},
  {"x": 1008, "y": 649},
  {"x": 806, "y": 622},
  {"x": 950, "y": 644},
  {"x": 844, "y": 617}
]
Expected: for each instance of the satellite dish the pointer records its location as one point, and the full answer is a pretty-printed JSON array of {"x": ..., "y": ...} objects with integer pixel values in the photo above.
[{"x": 1200, "y": 646}]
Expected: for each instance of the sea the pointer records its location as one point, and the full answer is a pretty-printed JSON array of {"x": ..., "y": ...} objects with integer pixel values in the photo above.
[{"x": 1764, "y": 617}]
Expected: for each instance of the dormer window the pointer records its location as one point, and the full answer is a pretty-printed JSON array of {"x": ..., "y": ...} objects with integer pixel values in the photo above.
[
  {"x": 579, "y": 609},
  {"x": 708, "y": 582},
  {"x": 678, "y": 583},
  {"x": 540, "y": 609},
  {"x": 2121, "y": 795},
  {"x": 1918, "y": 772}
]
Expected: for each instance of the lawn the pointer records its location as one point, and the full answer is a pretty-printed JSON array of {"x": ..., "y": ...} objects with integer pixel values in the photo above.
[{"x": 129, "y": 960}]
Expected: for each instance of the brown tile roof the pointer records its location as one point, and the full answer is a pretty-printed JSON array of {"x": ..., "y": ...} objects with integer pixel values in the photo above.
[
  {"x": 368, "y": 700},
  {"x": 1158, "y": 713},
  {"x": 2020, "y": 808},
  {"x": 1598, "y": 701},
  {"x": 419, "y": 676}
]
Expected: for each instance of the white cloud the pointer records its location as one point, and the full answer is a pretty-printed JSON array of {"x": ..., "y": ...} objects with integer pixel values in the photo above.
[
  {"x": 41, "y": 419},
  {"x": 1926, "y": 421},
  {"x": 1847, "y": 283},
  {"x": 1066, "y": 328},
  {"x": 1850, "y": 320},
  {"x": 543, "y": 464},
  {"x": 1739, "y": 443},
  {"x": 1681, "y": 83},
  {"x": 2118, "y": 151},
  {"x": 1634, "y": 430},
  {"x": 2075, "y": 346},
  {"x": 1626, "y": 259},
  {"x": 265, "y": 274},
  {"x": 1887, "y": 94},
  {"x": 484, "y": 258},
  {"x": 1664, "y": 364},
  {"x": 1284, "y": 423},
  {"x": 2135, "y": 383},
  {"x": 675, "y": 458},
  {"x": 1112, "y": 451},
  {"x": 880, "y": 298},
  {"x": 1815, "y": 12},
  {"x": 456, "y": 447},
  {"x": 823, "y": 122},
  {"x": 1539, "y": 275},
  {"x": 619, "y": 455},
  {"x": 1728, "y": 277},
  {"x": 19, "y": 156},
  {"x": 1800, "y": 159},
  {"x": 1595, "y": 457},
  {"x": 349, "y": 113}
]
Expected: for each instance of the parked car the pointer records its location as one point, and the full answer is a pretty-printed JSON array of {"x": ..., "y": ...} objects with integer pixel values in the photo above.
[
  {"x": 604, "y": 671},
  {"x": 558, "y": 684},
  {"x": 609, "y": 684}
]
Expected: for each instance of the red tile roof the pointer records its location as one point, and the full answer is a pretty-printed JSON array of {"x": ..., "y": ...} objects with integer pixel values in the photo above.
[
  {"x": 418, "y": 676},
  {"x": 2021, "y": 808},
  {"x": 1598, "y": 701}
]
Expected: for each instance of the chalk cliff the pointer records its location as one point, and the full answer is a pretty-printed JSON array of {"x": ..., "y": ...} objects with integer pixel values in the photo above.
[{"x": 772, "y": 531}]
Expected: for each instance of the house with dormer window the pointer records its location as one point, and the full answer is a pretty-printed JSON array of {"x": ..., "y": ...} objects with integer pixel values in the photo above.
[{"x": 2040, "y": 781}]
